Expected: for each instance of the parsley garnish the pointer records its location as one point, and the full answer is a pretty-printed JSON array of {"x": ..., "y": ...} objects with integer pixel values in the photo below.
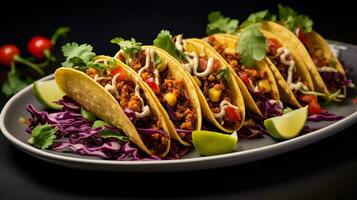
[
  {"x": 292, "y": 20},
  {"x": 258, "y": 17},
  {"x": 252, "y": 45},
  {"x": 165, "y": 42},
  {"x": 220, "y": 24},
  {"x": 42, "y": 136}
]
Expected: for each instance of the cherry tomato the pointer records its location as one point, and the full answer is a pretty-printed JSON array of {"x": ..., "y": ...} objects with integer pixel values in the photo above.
[
  {"x": 122, "y": 73},
  {"x": 274, "y": 45},
  {"x": 245, "y": 78},
  {"x": 304, "y": 39},
  {"x": 7, "y": 54},
  {"x": 232, "y": 114},
  {"x": 151, "y": 82},
  {"x": 37, "y": 46},
  {"x": 203, "y": 64}
]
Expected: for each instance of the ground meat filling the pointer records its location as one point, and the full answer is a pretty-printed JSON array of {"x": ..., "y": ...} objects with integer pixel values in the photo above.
[
  {"x": 126, "y": 97},
  {"x": 184, "y": 114}
]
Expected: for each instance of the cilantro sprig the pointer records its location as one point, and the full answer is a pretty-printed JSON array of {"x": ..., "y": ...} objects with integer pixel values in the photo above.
[
  {"x": 164, "y": 41},
  {"x": 42, "y": 136},
  {"x": 80, "y": 57},
  {"x": 220, "y": 24},
  {"x": 258, "y": 17},
  {"x": 292, "y": 20},
  {"x": 252, "y": 45}
]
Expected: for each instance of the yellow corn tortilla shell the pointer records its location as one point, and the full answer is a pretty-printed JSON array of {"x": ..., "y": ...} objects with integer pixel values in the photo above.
[
  {"x": 201, "y": 47},
  {"x": 232, "y": 41},
  {"x": 94, "y": 98},
  {"x": 177, "y": 72},
  {"x": 285, "y": 92},
  {"x": 293, "y": 42}
]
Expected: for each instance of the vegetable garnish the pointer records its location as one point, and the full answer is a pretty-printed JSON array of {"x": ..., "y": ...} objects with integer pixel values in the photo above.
[
  {"x": 14, "y": 82},
  {"x": 130, "y": 47},
  {"x": 219, "y": 23},
  {"x": 164, "y": 41},
  {"x": 224, "y": 74},
  {"x": 252, "y": 45},
  {"x": 42, "y": 136},
  {"x": 292, "y": 20},
  {"x": 258, "y": 17}
]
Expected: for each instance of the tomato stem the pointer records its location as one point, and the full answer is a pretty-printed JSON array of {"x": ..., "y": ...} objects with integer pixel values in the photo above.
[{"x": 28, "y": 63}]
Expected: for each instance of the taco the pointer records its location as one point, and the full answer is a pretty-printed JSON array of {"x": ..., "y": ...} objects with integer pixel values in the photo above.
[
  {"x": 171, "y": 87},
  {"x": 113, "y": 93},
  {"x": 256, "y": 82},
  {"x": 220, "y": 97},
  {"x": 290, "y": 72},
  {"x": 327, "y": 73}
]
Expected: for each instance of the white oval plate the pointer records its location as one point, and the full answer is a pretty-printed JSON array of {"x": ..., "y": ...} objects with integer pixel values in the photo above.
[{"x": 246, "y": 150}]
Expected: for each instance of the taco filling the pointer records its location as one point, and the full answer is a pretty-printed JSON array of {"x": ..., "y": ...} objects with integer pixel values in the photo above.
[
  {"x": 133, "y": 101},
  {"x": 212, "y": 80},
  {"x": 170, "y": 91},
  {"x": 256, "y": 81}
]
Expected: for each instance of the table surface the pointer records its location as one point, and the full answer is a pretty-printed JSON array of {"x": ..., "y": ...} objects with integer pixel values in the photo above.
[{"x": 323, "y": 170}]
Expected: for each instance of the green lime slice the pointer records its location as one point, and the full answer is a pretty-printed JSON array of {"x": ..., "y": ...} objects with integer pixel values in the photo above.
[
  {"x": 288, "y": 125},
  {"x": 213, "y": 143},
  {"x": 47, "y": 92}
]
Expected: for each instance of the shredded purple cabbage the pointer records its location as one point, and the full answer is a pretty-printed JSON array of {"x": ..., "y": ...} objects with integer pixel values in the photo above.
[
  {"x": 130, "y": 114},
  {"x": 76, "y": 134},
  {"x": 268, "y": 107},
  {"x": 324, "y": 116},
  {"x": 335, "y": 80}
]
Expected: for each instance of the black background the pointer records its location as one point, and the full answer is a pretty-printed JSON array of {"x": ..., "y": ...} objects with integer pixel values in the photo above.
[{"x": 324, "y": 170}]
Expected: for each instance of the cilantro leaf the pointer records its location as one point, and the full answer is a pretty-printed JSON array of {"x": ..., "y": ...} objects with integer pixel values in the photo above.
[
  {"x": 220, "y": 24},
  {"x": 130, "y": 47},
  {"x": 164, "y": 41},
  {"x": 258, "y": 17},
  {"x": 292, "y": 20},
  {"x": 42, "y": 136},
  {"x": 252, "y": 45},
  {"x": 224, "y": 73},
  {"x": 157, "y": 59},
  {"x": 77, "y": 55},
  {"x": 14, "y": 83}
]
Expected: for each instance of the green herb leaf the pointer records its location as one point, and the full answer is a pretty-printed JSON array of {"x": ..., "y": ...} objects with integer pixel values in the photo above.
[
  {"x": 164, "y": 41},
  {"x": 130, "y": 47},
  {"x": 61, "y": 31},
  {"x": 42, "y": 136},
  {"x": 77, "y": 55},
  {"x": 14, "y": 82},
  {"x": 157, "y": 59},
  {"x": 292, "y": 20},
  {"x": 224, "y": 73},
  {"x": 252, "y": 45},
  {"x": 113, "y": 134},
  {"x": 220, "y": 24},
  {"x": 258, "y": 17}
]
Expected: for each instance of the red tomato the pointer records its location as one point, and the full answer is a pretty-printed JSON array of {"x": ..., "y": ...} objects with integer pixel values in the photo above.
[
  {"x": 314, "y": 107},
  {"x": 7, "y": 54},
  {"x": 274, "y": 45},
  {"x": 304, "y": 39},
  {"x": 203, "y": 64},
  {"x": 37, "y": 46},
  {"x": 122, "y": 73},
  {"x": 245, "y": 78},
  {"x": 232, "y": 114},
  {"x": 151, "y": 82},
  {"x": 307, "y": 98}
]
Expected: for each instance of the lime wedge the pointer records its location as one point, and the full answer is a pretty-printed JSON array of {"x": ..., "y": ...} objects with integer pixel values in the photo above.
[
  {"x": 47, "y": 92},
  {"x": 213, "y": 143},
  {"x": 288, "y": 125}
]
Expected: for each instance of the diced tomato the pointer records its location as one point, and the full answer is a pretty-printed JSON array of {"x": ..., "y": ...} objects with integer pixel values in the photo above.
[
  {"x": 245, "y": 78},
  {"x": 274, "y": 45},
  {"x": 307, "y": 98},
  {"x": 311, "y": 100},
  {"x": 354, "y": 100},
  {"x": 304, "y": 39},
  {"x": 203, "y": 64},
  {"x": 120, "y": 71},
  {"x": 232, "y": 114},
  {"x": 151, "y": 82}
]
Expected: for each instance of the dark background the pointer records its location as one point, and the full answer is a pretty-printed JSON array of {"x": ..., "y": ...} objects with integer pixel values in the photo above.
[{"x": 324, "y": 170}]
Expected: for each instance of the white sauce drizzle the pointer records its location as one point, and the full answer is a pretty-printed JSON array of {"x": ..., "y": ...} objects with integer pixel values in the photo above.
[
  {"x": 222, "y": 107},
  {"x": 192, "y": 59},
  {"x": 178, "y": 42},
  {"x": 145, "y": 108},
  {"x": 326, "y": 69},
  {"x": 112, "y": 87}
]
